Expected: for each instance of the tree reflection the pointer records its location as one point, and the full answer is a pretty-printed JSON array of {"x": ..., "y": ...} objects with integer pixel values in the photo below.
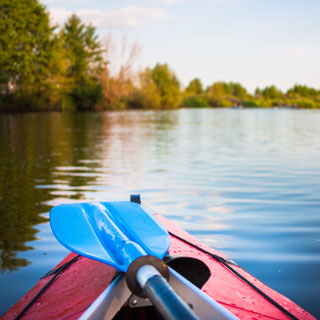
[
  {"x": 50, "y": 158},
  {"x": 32, "y": 147}
]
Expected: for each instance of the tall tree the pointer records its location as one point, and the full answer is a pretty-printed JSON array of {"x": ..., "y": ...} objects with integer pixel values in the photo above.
[
  {"x": 238, "y": 90},
  {"x": 85, "y": 63},
  {"x": 218, "y": 93},
  {"x": 119, "y": 75},
  {"x": 257, "y": 93},
  {"x": 194, "y": 87},
  {"x": 168, "y": 85},
  {"x": 147, "y": 94},
  {"x": 302, "y": 91},
  {"x": 26, "y": 43},
  {"x": 272, "y": 92}
]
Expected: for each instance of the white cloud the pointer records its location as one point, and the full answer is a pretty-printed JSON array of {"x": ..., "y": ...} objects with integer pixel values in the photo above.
[
  {"x": 59, "y": 15},
  {"x": 131, "y": 16}
]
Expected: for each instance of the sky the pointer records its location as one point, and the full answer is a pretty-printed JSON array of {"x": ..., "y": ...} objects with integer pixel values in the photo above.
[{"x": 255, "y": 42}]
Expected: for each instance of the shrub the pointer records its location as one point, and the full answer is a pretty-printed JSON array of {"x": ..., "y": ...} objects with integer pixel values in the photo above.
[{"x": 195, "y": 102}]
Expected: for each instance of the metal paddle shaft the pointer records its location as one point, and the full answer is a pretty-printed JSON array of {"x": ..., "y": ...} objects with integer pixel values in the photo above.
[
  {"x": 163, "y": 297},
  {"x": 118, "y": 233}
]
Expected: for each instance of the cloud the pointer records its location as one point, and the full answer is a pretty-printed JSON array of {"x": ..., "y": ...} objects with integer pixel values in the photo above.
[
  {"x": 59, "y": 15},
  {"x": 131, "y": 16}
]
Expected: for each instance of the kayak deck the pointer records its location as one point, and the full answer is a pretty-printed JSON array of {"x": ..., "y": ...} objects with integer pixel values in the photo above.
[
  {"x": 228, "y": 289},
  {"x": 75, "y": 289}
]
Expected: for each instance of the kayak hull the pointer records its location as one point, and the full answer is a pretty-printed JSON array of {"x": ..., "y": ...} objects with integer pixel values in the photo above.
[{"x": 81, "y": 283}]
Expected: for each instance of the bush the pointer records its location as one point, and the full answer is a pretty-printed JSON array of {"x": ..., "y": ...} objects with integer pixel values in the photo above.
[
  {"x": 87, "y": 95},
  {"x": 306, "y": 103},
  {"x": 195, "y": 102},
  {"x": 251, "y": 103},
  {"x": 225, "y": 103}
]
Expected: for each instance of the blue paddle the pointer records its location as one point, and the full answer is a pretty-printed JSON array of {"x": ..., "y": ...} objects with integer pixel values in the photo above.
[{"x": 122, "y": 235}]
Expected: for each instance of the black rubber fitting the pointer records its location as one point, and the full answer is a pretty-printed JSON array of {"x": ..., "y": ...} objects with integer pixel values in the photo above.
[
  {"x": 131, "y": 275},
  {"x": 135, "y": 198}
]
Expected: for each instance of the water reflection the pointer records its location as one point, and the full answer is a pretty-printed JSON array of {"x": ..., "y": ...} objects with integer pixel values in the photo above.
[
  {"x": 50, "y": 158},
  {"x": 32, "y": 148},
  {"x": 243, "y": 181}
]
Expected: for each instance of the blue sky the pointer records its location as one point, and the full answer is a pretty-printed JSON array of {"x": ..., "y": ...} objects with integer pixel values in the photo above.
[{"x": 255, "y": 42}]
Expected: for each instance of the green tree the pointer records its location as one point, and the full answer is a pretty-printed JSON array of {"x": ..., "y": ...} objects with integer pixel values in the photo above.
[
  {"x": 147, "y": 95},
  {"x": 257, "y": 93},
  {"x": 168, "y": 85},
  {"x": 85, "y": 63},
  {"x": 302, "y": 91},
  {"x": 194, "y": 87},
  {"x": 218, "y": 95},
  {"x": 238, "y": 91},
  {"x": 57, "y": 84},
  {"x": 272, "y": 92},
  {"x": 26, "y": 51},
  {"x": 195, "y": 102},
  {"x": 227, "y": 88}
]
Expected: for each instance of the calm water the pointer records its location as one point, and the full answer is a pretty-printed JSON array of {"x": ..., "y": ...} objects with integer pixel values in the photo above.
[{"x": 246, "y": 182}]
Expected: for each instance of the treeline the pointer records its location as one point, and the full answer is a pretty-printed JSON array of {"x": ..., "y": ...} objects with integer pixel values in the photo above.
[
  {"x": 45, "y": 67},
  {"x": 222, "y": 94}
]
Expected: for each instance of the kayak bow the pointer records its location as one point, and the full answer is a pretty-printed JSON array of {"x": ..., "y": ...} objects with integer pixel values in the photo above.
[
  {"x": 80, "y": 287},
  {"x": 125, "y": 236}
]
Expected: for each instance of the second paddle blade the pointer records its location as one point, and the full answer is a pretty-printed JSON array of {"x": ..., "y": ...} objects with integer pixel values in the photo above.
[{"x": 115, "y": 233}]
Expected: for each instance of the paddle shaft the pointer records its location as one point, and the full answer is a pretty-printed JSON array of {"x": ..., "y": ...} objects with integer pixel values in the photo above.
[{"x": 164, "y": 298}]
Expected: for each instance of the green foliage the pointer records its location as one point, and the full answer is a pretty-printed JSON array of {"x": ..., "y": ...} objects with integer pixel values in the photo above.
[
  {"x": 86, "y": 95},
  {"x": 84, "y": 63},
  {"x": 168, "y": 86},
  {"x": 26, "y": 45},
  {"x": 223, "y": 94},
  {"x": 258, "y": 93},
  {"x": 158, "y": 88},
  {"x": 194, "y": 87},
  {"x": 42, "y": 68},
  {"x": 147, "y": 96},
  {"x": 238, "y": 90},
  {"x": 306, "y": 103},
  {"x": 225, "y": 103},
  {"x": 217, "y": 93},
  {"x": 302, "y": 91},
  {"x": 272, "y": 93},
  {"x": 84, "y": 52},
  {"x": 252, "y": 103},
  {"x": 195, "y": 102}
]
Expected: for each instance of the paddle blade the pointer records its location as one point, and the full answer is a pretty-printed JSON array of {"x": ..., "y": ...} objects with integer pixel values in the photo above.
[{"x": 115, "y": 233}]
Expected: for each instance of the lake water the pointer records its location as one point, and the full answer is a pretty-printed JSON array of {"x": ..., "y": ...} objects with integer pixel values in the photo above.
[{"x": 245, "y": 182}]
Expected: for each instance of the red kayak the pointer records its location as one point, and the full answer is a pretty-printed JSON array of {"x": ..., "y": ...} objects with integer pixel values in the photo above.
[{"x": 76, "y": 282}]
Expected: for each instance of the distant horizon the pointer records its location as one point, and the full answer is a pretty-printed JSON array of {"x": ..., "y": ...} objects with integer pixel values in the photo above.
[{"x": 255, "y": 44}]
